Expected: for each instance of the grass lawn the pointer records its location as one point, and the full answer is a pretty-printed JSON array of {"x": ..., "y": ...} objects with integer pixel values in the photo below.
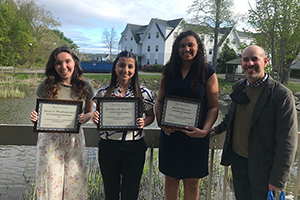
[
  {"x": 100, "y": 77},
  {"x": 294, "y": 87},
  {"x": 224, "y": 86}
]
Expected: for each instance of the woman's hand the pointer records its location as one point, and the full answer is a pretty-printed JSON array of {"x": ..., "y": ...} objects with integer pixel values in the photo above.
[
  {"x": 212, "y": 131},
  {"x": 195, "y": 132},
  {"x": 83, "y": 118},
  {"x": 140, "y": 123},
  {"x": 33, "y": 116},
  {"x": 96, "y": 117},
  {"x": 168, "y": 130}
]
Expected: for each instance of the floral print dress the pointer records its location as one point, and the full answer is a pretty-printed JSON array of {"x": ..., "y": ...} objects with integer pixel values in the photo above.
[{"x": 61, "y": 165}]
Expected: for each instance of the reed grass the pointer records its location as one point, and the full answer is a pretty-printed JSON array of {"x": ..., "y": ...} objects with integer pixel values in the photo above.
[
  {"x": 16, "y": 93},
  {"x": 96, "y": 188}
]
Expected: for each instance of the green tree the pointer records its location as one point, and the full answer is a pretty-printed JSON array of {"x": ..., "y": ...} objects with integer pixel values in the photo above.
[
  {"x": 226, "y": 55},
  {"x": 212, "y": 14},
  {"x": 42, "y": 22},
  {"x": 64, "y": 40},
  {"x": 14, "y": 36},
  {"x": 277, "y": 23},
  {"x": 110, "y": 39}
]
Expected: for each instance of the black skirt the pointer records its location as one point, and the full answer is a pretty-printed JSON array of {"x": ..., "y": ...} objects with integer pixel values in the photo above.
[{"x": 181, "y": 156}]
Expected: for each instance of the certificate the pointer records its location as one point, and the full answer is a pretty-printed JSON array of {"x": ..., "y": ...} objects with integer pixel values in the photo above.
[
  {"x": 118, "y": 113},
  {"x": 181, "y": 112},
  {"x": 55, "y": 115}
]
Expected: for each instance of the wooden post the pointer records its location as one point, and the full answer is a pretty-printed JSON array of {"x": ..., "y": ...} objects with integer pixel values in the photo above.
[
  {"x": 225, "y": 182},
  {"x": 211, "y": 168},
  {"x": 151, "y": 172}
]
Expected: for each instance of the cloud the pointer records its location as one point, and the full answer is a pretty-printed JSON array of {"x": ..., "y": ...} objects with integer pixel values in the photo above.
[{"x": 84, "y": 21}]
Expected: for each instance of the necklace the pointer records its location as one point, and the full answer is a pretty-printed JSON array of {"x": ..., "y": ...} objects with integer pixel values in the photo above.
[{"x": 66, "y": 87}]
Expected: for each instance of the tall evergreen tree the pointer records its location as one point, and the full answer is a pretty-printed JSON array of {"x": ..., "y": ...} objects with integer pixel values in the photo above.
[{"x": 226, "y": 55}]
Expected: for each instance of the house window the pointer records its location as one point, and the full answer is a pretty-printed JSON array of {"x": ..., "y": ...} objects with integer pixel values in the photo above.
[
  {"x": 131, "y": 49},
  {"x": 156, "y": 61},
  {"x": 125, "y": 48},
  {"x": 202, "y": 38},
  {"x": 210, "y": 52},
  {"x": 209, "y": 62},
  {"x": 131, "y": 38},
  {"x": 125, "y": 38},
  {"x": 157, "y": 34},
  {"x": 148, "y": 61},
  {"x": 156, "y": 48},
  {"x": 234, "y": 41},
  {"x": 211, "y": 39},
  {"x": 149, "y": 35},
  {"x": 148, "y": 48},
  {"x": 227, "y": 40}
]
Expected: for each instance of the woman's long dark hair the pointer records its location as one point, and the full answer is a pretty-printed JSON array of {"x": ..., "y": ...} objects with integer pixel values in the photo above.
[
  {"x": 198, "y": 68},
  {"x": 52, "y": 83},
  {"x": 134, "y": 80}
]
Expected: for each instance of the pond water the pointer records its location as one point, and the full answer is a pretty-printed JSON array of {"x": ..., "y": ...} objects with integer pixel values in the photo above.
[{"x": 17, "y": 163}]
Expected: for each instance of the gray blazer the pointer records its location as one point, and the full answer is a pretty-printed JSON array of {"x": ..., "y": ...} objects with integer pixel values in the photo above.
[{"x": 272, "y": 139}]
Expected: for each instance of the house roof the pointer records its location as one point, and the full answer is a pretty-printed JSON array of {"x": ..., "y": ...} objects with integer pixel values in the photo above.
[
  {"x": 225, "y": 31},
  {"x": 172, "y": 24},
  {"x": 243, "y": 34},
  {"x": 136, "y": 30},
  {"x": 235, "y": 61},
  {"x": 168, "y": 23}
]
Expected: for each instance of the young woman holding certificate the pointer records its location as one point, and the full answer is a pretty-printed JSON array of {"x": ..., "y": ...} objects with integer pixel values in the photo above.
[
  {"x": 61, "y": 171},
  {"x": 183, "y": 152},
  {"x": 122, "y": 153}
]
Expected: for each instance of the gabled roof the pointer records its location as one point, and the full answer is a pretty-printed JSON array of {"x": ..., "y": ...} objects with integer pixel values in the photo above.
[
  {"x": 235, "y": 61},
  {"x": 172, "y": 24},
  {"x": 225, "y": 31},
  {"x": 243, "y": 34},
  {"x": 136, "y": 30}
]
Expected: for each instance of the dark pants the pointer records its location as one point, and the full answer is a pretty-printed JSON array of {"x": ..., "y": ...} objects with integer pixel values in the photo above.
[
  {"x": 242, "y": 186},
  {"x": 121, "y": 164}
]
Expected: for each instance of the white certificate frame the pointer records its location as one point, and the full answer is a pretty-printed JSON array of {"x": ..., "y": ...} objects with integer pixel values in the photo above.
[
  {"x": 119, "y": 113},
  {"x": 57, "y": 115},
  {"x": 179, "y": 112}
]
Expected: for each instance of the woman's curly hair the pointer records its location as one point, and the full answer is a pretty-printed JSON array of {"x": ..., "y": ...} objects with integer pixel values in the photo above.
[
  {"x": 52, "y": 82},
  {"x": 198, "y": 68}
]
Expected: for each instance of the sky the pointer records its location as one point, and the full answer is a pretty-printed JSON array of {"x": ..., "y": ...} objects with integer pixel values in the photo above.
[{"x": 84, "y": 21}]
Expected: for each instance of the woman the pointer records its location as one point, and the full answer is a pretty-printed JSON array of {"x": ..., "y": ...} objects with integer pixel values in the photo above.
[
  {"x": 183, "y": 154},
  {"x": 122, "y": 153},
  {"x": 61, "y": 171}
]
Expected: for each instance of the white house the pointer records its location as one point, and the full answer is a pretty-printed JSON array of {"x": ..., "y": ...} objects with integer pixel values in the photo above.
[{"x": 152, "y": 43}]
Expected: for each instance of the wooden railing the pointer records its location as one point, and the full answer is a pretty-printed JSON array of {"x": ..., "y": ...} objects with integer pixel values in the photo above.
[
  {"x": 24, "y": 135},
  {"x": 8, "y": 69}
]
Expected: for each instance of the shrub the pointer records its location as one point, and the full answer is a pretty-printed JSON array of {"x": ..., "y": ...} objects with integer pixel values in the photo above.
[
  {"x": 146, "y": 67},
  {"x": 156, "y": 68}
]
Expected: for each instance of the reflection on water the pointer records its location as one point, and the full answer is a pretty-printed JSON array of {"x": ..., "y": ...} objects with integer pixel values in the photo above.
[
  {"x": 17, "y": 169},
  {"x": 17, "y": 111}
]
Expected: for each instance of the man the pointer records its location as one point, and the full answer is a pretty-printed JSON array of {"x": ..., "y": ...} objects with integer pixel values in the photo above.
[{"x": 261, "y": 125}]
